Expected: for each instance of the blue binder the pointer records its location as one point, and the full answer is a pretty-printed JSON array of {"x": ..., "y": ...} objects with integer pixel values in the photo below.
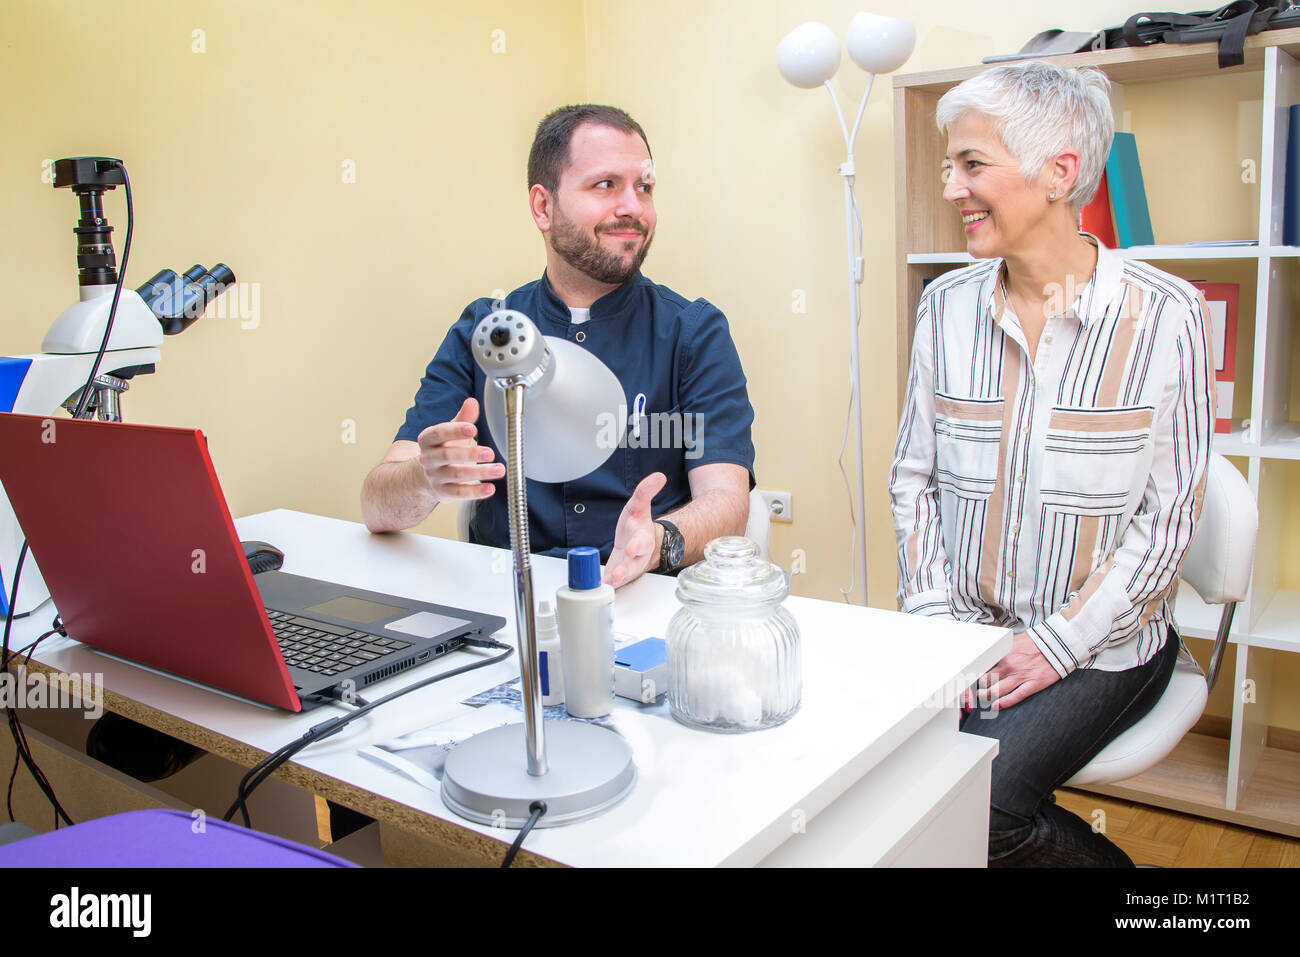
[
  {"x": 1291, "y": 205},
  {"x": 1128, "y": 196}
]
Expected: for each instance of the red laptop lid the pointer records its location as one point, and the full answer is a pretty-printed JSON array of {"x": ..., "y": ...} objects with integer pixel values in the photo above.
[{"x": 137, "y": 546}]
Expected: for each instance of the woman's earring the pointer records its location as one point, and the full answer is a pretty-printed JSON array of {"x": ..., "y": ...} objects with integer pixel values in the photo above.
[{"x": 1051, "y": 196}]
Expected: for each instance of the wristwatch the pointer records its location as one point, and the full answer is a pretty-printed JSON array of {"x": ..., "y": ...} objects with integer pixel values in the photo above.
[{"x": 673, "y": 549}]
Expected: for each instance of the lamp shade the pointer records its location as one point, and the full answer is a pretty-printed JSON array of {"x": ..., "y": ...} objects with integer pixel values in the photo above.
[
  {"x": 880, "y": 44},
  {"x": 808, "y": 55},
  {"x": 576, "y": 411}
]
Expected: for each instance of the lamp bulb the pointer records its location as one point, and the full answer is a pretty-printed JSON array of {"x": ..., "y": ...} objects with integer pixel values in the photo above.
[
  {"x": 880, "y": 44},
  {"x": 808, "y": 55}
]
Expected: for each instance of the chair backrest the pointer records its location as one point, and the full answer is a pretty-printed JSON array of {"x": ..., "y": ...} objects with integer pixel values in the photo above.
[
  {"x": 1219, "y": 560},
  {"x": 464, "y": 513},
  {"x": 758, "y": 527}
]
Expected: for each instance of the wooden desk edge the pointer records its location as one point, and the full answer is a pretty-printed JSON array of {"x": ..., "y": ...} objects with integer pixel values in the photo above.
[{"x": 385, "y": 810}]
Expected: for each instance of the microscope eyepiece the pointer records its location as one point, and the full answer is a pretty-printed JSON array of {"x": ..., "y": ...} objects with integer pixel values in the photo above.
[{"x": 177, "y": 301}]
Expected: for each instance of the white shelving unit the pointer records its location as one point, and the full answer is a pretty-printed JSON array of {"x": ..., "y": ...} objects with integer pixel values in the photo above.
[{"x": 1240, "y": 778}]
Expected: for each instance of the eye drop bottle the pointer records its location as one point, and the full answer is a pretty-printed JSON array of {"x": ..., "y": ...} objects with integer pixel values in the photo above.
[{"x": 549, "y": 655}]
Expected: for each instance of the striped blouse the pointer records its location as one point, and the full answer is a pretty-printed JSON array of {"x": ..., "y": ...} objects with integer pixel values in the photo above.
[{"x": 1056, "y": 498}]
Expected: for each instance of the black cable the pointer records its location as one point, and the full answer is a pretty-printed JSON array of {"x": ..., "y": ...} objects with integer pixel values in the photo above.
[
  {"x": 13, "y": 597},
  {"x": 89, "y": 390},
  {"x": 13, "y": 773},
  {"x": 26, "y": 653},
  {"x": 272, "y": 762},
  {"x": 268, "y": 765},
  {"x": 21, "y": 747},
  {"x": 13, "y": 776},
  {"x": 538, "y": 808},
  {"x": 15, "y": 725}
]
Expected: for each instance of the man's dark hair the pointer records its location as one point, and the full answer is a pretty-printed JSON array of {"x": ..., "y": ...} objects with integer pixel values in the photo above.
[{"x": 549, "y": 155}]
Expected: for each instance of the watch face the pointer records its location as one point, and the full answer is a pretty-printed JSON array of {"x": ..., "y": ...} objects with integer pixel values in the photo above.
[{"x": 674, "y": 547}]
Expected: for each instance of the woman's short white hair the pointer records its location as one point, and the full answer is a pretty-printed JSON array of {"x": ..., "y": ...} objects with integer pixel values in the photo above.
[{"x": 1040, "y": 109}]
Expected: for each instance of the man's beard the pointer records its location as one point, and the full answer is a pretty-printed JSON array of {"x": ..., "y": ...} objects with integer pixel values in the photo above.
[{"x": 583, "y": 251}]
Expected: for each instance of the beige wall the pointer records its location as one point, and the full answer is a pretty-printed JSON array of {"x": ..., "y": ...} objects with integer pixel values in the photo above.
[{"x": 238, "y": 154}]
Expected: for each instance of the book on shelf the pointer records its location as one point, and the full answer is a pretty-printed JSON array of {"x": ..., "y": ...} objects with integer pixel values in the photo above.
[
  {"x": 1128, "y": 195},
  {"x": 1291, "y": 192},
  {"x": 1096, "y": 217},
  {"x": 1221, "y": 300}
]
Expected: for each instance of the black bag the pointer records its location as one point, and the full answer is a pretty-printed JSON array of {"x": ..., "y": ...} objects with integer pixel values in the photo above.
[{"x": 1230, "y": 25}]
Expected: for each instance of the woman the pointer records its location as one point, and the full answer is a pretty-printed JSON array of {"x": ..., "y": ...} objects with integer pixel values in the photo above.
[{"x": 1052, "y": 449}]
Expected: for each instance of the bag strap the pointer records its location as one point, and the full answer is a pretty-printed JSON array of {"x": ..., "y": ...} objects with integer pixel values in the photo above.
[
  {"x": 1155, "y": 24},
  {"x": 1232, "y": 45},
  {"x": 1231, "y": 24}
]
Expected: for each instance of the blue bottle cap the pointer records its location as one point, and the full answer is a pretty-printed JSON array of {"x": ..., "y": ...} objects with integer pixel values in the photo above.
[{"x": 584, "y": 568}]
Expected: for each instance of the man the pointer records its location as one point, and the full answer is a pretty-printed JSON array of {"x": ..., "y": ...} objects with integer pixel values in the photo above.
[{"x": 591, "y": 188}]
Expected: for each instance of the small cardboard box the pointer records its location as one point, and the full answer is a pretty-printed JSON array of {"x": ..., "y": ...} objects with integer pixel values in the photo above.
[{"x": 641, "y": 670}]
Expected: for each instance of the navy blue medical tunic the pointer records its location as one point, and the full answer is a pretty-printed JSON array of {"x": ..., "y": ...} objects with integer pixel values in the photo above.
[{"x": 679, "y": 354}]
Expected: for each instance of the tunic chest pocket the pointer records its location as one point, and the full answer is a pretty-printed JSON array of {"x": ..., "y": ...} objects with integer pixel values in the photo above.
[
  {"x": 668, "y": 442},
  {"x": 968, "y": 439},
  {"x": 1090, "y": 457}
]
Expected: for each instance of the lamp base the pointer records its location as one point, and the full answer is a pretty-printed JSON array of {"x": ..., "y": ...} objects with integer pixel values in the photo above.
[{"x": 591, "y": 770}]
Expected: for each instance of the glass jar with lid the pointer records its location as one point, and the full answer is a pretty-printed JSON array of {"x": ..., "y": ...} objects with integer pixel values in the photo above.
[{"x": 734, "y": 654}]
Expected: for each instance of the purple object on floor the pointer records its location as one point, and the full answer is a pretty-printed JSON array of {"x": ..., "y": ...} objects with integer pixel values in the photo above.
[{"x": 161, "y": 839}]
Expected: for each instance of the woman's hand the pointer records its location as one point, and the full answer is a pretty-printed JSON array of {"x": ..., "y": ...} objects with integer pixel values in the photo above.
[{"x": 1021, "y": 672}]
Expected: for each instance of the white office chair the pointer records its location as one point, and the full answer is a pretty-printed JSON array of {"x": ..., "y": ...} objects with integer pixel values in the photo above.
[
  {"x": 1218, "y": 567},
  {"x": 464, "y": 513},
  {"x": 757, "y": 528}
]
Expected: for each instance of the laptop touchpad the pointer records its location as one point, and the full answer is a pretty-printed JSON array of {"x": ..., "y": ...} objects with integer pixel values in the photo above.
[
  {"x": 425, "y": 624},
  {"x": 351, "y": 608}
]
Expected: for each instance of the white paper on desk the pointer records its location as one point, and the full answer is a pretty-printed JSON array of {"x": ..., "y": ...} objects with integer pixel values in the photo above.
[{"x": 421, "y": 755}]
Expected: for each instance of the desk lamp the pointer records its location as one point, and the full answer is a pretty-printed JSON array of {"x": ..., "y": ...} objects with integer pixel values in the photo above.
[
  {"x": 578, "y": 769},
  {"x": 808, "y": 57}
]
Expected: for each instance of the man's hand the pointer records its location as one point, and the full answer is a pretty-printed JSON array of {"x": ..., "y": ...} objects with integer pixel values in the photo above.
[
  {"x": 1022, "y": 672},
  {"x": 451, "y": 460},
  {"x": 636, "y": 538}
]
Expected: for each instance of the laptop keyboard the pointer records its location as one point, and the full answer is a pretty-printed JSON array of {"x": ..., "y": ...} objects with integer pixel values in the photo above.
[{"x": 326, "y": 649}]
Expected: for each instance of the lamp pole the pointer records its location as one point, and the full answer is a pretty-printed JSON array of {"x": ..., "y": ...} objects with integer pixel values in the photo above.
[
  {"x": 808, "y": 57},
  {"x": 577, "y": 770},
  {"x": 525, "y": 625},
  {"x": 853, "y": 240}
]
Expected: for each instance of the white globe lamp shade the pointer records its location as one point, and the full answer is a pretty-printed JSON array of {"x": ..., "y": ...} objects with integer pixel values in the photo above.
[
  {"x": 808, "y": 55},
  {"x": 880, "y": 44}
]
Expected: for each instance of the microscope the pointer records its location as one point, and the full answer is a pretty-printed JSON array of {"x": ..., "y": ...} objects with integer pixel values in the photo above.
[{"x": 98, "y": 344}]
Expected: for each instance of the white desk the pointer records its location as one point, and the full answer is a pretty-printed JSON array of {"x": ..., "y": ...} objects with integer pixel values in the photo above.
[{"x": 871, "y": 771}]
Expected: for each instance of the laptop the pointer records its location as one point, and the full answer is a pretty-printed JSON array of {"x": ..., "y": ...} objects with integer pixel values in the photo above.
[{"x": 136, "y": 543}]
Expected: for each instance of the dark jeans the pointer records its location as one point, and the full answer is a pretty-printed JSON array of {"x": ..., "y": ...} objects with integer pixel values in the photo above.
[{"x": 1044, "y": 741}]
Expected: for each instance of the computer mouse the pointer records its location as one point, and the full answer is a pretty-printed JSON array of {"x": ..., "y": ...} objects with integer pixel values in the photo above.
[{"x": 262, "y": 557}]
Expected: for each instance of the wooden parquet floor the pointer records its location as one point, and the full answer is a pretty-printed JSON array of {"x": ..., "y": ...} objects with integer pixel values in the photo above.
[{"x": 1154, "y": 836}]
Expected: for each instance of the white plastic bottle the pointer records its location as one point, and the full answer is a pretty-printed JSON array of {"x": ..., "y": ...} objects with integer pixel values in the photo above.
[
  {"x": 585, "y": 614},
  {"x": 549, "y": 655}
]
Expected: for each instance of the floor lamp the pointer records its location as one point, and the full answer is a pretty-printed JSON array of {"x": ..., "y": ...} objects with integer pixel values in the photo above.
[
  {"x": 577, "y": 769},
  {"x": 808, "y": 57}
]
